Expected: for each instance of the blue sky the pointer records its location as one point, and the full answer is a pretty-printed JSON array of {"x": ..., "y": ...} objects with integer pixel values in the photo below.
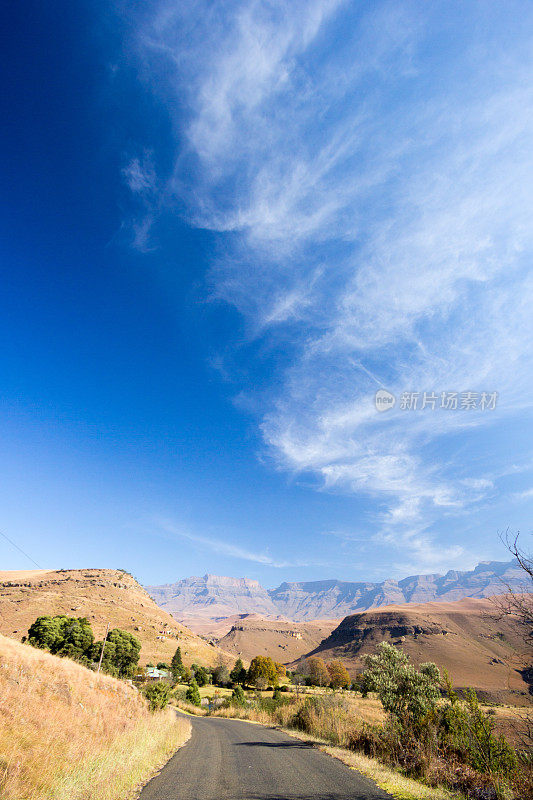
[{"x": 225, "y": 226}]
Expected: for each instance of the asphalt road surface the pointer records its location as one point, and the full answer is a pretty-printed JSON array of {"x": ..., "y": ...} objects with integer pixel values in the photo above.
[{"x": 232, "y": 760}]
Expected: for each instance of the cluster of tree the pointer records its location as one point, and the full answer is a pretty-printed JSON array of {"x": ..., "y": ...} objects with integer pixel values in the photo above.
[
  {"x": 73, "y": 638},
  {"x": 315, "y": 672},
  {"x": 263, "y": 672}
]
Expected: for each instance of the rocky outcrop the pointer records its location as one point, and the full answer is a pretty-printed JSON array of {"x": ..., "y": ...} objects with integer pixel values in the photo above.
[{"x": 359, "y": 629}]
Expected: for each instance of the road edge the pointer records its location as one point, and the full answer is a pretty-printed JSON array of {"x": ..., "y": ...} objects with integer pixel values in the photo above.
[{"x": 135, "y": 793}]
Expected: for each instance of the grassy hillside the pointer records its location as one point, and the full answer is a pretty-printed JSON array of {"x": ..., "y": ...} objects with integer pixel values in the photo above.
[
  {"x": 463, "y": 636},
  {"x": 101, "y": 595},
  {"x": 67, "y": 733}
]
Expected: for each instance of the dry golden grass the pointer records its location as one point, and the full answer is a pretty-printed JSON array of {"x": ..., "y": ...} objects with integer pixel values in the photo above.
[
  {"x": 67, "y": 733},
  {"x": 354, "y": 709},
  {"x": 333, "y": 719}
]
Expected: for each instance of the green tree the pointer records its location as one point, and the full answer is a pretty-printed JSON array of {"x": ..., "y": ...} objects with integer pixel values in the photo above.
[
  {"x": 121, "y": 653},
  {"x": 221, "y": 675},
  {"x": 176, "y": 665},
  {"x": 407, "y": 694},
  {"x": 338, "y": 675},
  {"x": 201, "y": 676},
  {"x": 162, "y": 665},
  {"x": 186, "y": 675},
  {"x": 78, "y": 639},
  {"x": 238, "y": 673},
  {"x": 46, "y": 633},
  {"x": 158, "y": 695},
  {"x": 262, "y": 672},
  {"x": 64, "y": 636},
  {"x": 192, "y": 694}
]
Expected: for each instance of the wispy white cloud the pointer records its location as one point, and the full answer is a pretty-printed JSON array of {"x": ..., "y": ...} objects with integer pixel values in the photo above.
[
  {"x": 140, "y": 175},
  {"x": 376, "y": 203},
  {"x": 222, "y": 547},
  {"x": 524, "y": 495}
]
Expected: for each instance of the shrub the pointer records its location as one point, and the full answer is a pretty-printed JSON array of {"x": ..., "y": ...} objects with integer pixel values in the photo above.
[
  {"x": 407, "y": 694},
  {"x": 238, "y": 698},
  {"x": 157, "y": 695},
  {"x": 193, "y": 695},
  {"x": 271, "y": 704},
  {"x": 328, "y": 718},
  {"x": 468, "y": 731}
]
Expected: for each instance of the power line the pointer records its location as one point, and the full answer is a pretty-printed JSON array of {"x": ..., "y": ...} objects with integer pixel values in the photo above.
[{"x": 20, "y": 549}]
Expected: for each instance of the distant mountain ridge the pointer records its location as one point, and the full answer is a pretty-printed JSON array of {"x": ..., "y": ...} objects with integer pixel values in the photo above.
[{"x": 213, "y": 596}]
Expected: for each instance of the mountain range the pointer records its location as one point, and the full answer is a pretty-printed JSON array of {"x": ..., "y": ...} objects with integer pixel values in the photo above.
[{"x": 215, "y": 597}]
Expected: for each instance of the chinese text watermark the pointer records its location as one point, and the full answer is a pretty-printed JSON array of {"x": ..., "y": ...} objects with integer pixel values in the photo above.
[{"x": 449, "y": 401}]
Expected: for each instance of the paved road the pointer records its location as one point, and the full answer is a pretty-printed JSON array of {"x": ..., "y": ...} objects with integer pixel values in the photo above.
[{"x": 231, "y": 760}]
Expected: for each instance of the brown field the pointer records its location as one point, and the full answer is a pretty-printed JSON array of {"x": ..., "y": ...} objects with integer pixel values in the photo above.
[
  {"x": 67, "y": 733},
  {"x": 101, "y": 595}
]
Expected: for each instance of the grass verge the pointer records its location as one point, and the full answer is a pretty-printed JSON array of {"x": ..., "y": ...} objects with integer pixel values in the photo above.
[{"x": 69, "y": 734}]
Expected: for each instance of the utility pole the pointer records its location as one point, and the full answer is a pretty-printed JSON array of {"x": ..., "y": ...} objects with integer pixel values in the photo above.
[{"x": 103, "y": 645}]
